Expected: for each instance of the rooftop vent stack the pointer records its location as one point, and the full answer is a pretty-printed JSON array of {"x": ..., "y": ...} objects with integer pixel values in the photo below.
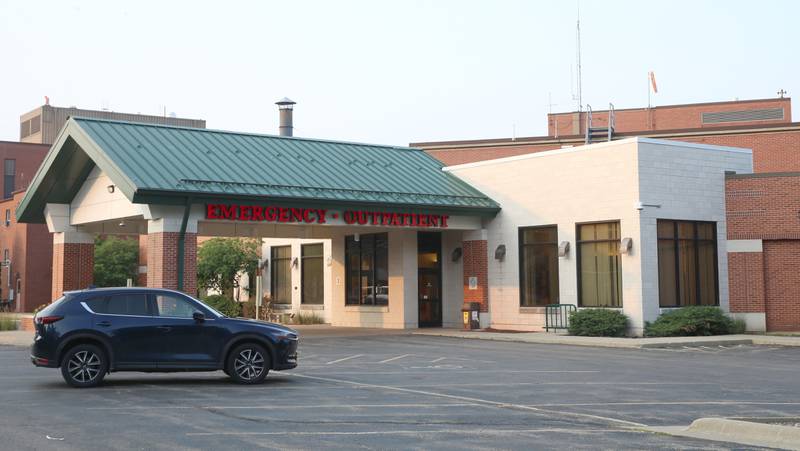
[{"x": 285, "y": 107}]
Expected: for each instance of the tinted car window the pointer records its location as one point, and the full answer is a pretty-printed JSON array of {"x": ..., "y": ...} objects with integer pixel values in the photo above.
[
  {"x": 174, "y": 306},
  {"x": 126, "y": 304},
  {"x": 97, "y": 305}
]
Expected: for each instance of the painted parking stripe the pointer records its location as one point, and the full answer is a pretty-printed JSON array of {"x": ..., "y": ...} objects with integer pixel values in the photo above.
[
  {"x": 438, "y": 360},
  {"x": 476, "y": 431},
  {"x": 395, "y": 358},
  {"x": 345, "y": 359},
  {"x": 296, "y": 407}
]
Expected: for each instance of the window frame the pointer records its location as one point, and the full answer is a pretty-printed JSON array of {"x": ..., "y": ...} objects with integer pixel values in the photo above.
[
  {"x": 8, "y": 193},
  {"x": 373, "y": 270},
  {"x": 578, "y": 243},
  {"x": 107, "y": 298},
  {"x": 521, "y": 248},
  {"x": 303, "y": 259},
  {"x": 695, "y": 240},
  {"x": 272, "y": 269}
]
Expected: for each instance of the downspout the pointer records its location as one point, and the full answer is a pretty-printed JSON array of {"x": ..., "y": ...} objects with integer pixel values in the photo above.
[{"x": 182, "y": 242}]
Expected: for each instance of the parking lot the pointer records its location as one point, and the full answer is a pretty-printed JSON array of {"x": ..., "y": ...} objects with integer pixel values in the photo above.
[{"x": 381, "y": 390}]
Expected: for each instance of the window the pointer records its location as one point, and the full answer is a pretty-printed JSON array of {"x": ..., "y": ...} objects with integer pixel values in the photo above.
[
  {"x": 281, "y": 275},
  {"x": 538, "y": 262},
  {"x": 9, "y": 170},
  {"x": 599, "y": 274},
  {"x": 121, "y": 304},
  {"x": 312, "y": 274},
  {"x": 687, "y": 263},
  {"x": 367, "y": 269},
  {"x": 8, "y": 218},
  {"x": 174, "y": 306}
]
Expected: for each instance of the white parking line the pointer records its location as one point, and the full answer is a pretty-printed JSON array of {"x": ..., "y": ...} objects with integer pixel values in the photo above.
[
  {"x": 474, "y": 431},
  {"x": 395, "y": 358},
  {"x": 344, "y": 359},
  {"x": 295, "y": 407},
  {"x": 487, "y": 402},
  {"x": 438, "y": 360}
]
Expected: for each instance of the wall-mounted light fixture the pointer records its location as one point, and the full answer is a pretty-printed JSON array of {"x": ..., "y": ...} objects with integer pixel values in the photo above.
[
  {"x": 640, "y": 206},
  {"x": 295, "y": 262},
  {"x": 456, "y": 255},
  {"x": 500, "y": 252},
  {"x": 356, "y": 238},
  {"x": 625, "y": 245},
  {"x": 563, "y": 248},
  {"x": 111, "y": 189},
  {"x": 328, "y": 261}
]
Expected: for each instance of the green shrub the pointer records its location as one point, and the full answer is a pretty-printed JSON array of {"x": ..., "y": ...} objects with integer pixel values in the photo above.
[
  {"x": 8, "y": 322},
  {"x": 308, "y": 318},
  {"x": 692, "y": 321},
  {"x": 224, "y": 305},
  {"x": 598, "y": 322}
]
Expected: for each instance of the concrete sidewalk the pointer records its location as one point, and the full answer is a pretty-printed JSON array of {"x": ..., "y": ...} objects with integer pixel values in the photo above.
[
  {"x": 610, "y": 342},
  {"x": 16, "y": 338}
]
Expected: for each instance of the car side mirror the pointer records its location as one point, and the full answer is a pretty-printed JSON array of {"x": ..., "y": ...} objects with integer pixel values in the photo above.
[{"x": 199, "y": 317}]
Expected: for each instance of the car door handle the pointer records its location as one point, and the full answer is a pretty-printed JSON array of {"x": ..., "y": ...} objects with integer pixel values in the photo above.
[
  {"x": 164, "y": 328},
  {"x": 104, "y": 323}
]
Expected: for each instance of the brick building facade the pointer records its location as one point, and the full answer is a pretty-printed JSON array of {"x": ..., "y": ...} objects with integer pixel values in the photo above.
[
  {"x": 25, "y": 248},
  {"x": 763, "y": 208}
]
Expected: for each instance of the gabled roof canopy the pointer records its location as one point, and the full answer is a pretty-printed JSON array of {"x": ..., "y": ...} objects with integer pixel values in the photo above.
[{"x": 159, "y": 164}]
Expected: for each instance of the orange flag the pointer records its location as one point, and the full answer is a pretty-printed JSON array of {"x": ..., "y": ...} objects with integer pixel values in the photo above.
[{"x": 653, "y": 81}]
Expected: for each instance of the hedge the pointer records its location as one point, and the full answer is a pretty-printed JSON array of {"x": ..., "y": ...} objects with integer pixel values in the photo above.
[
  {"x": 598, "y": 322},
  {"x": 693, "y": 321}
]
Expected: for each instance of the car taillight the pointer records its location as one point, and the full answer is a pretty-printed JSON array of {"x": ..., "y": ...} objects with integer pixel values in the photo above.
[{"x": 48, "y": 319}]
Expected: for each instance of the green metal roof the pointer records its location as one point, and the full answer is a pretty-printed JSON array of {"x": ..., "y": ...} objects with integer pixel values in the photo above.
[{"x": 165, "y": 164}]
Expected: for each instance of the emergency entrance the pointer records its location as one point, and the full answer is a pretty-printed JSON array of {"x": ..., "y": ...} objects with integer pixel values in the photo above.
[{"x": 385, "y": 226}]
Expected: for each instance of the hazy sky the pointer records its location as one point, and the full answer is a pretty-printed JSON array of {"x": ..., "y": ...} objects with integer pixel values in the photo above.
[{"x": 389, "y": 72}]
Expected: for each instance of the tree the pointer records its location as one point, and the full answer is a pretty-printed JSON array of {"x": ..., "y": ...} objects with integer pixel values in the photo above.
[
  {"x": 115, "y": 261},
  {"x": 222, "y": 261}
]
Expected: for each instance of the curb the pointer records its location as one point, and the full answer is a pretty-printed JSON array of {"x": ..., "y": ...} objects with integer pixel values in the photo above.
[
  {"x": 723, "y": 342},
  {"x": 739, "y": 431}
]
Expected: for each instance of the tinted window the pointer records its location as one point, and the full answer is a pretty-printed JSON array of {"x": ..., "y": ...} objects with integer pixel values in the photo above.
[
  {"x": 125, "y": 304},
  {"x": 173, "y": 306}
]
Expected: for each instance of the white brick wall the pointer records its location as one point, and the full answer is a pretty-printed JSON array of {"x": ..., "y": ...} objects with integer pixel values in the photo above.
[{"x": 598, "y": 183}]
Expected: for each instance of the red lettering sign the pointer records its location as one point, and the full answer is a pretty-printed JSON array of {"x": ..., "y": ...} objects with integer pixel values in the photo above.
[{"x": 270, "y": 213}]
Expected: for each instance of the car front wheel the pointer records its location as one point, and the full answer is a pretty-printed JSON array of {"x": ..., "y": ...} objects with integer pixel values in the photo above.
[
  {"x": 249, "y": 363},
  {"x": 84, "y": 366}
]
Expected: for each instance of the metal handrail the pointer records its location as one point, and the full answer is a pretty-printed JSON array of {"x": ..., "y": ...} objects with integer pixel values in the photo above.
[
  {"x": 588, "y": 123},
  {"x": 556, "y": 316}
]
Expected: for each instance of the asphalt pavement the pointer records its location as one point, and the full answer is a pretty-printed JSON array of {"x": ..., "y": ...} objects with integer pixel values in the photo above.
[{"x": 388, "y": 390}]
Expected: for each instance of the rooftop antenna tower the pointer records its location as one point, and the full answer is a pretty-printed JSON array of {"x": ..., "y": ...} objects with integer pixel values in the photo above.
[{"x": 578, "y": 58}]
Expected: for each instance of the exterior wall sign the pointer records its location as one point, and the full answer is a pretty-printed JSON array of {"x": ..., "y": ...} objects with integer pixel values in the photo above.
[{"x": 269, "y": 213}]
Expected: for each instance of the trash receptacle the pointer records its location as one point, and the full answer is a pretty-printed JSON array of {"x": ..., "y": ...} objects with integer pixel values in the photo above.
[{"x": 470, "y": 313}]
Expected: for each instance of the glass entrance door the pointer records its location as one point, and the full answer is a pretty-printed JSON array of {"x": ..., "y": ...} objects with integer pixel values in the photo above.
[{"x": 429, "y": 278}]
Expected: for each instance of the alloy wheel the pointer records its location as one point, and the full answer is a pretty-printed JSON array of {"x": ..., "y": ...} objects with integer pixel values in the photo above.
[
  {"x": 84, "y": 366},
  {"x": 249, "y": 364}
]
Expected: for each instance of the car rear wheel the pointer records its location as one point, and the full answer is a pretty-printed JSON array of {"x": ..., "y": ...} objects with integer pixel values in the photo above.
[
  {"x": 249, "y": 363},
  {"x": 84, "y": 366}
]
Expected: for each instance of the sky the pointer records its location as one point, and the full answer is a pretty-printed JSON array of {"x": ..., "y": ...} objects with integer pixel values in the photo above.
[{"x": 388, "y": 72}]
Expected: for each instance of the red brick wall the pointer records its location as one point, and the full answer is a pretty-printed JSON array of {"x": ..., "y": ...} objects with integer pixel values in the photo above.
[
  {"x": 162, "y": 255},
  {"x": 765, "y": 207},
  {"x": 782, "y": 266},
  {"x": 476, "y": 264},
  {"x": 772, "y": 152},
  {"x": 73, "y": 267},
  {"x": 746, "y": 282},
  {"x": 668, "y": 117},
  {"x": 28, "y": 158}
]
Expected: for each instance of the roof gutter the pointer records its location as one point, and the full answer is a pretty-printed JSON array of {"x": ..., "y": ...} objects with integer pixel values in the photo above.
[{"x": 182, "y": 242}]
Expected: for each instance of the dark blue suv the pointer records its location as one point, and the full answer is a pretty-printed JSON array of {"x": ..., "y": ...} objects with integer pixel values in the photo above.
[{"x": 92, "y": 332}]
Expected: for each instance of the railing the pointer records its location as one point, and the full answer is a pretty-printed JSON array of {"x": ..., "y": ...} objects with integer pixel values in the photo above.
[
  {"x": 556, "y": 316},
  {"x": 588, "y": 124}
]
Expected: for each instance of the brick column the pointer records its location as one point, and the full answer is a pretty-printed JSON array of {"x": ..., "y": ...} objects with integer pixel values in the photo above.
[
  {"x": 162, "y": 255},
  {"x": 476, "y": 264},
  {"x": 73, "y": 262}
]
